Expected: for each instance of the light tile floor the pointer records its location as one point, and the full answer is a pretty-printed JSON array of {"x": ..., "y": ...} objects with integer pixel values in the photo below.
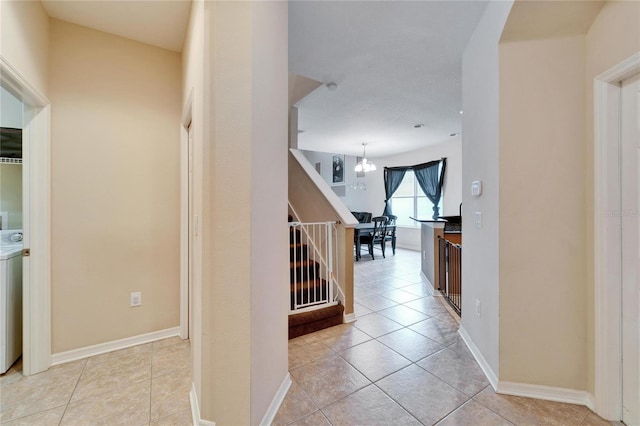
[
  {"x": 402, "y": 362},
  {"x": 143, "y": 385}
]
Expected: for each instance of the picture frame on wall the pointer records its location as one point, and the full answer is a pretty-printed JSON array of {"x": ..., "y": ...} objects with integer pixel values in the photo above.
[{"x": 338, "y": 169}]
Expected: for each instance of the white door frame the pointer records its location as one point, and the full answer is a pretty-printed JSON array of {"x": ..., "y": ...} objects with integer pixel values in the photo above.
[
  {"x": 36, "y": 290},
  {"x": 185, "y": 293},
  {"x": 607, "y": 237}
]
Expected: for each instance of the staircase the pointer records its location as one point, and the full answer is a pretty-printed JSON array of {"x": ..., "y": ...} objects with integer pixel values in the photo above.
[{"x": 309, "y": 291}]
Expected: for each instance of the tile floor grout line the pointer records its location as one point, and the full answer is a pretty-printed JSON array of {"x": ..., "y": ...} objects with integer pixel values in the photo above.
[
  {"x": 473, "y": 398},
  {"x": 75, "y": 387},
  {"x": 310, "y": 399},
  {"x": 398, "y": 402},
  {"x": 31, "y": 414}
]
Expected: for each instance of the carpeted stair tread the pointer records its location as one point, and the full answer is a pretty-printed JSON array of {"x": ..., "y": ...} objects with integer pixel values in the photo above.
[
  {"x": 304, "y": 270},
  {"x": 308, "y": 292},
  {"x": 298, "y": 251},
  {"x": 304, "y": 263},
  {"x": 308, "y": 284}
]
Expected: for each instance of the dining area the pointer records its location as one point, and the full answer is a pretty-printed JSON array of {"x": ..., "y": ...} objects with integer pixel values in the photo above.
[{"x": 374, "y": 233}]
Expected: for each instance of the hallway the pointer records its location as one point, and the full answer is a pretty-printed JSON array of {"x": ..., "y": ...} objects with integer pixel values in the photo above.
[{"x": 402, "y": 362}]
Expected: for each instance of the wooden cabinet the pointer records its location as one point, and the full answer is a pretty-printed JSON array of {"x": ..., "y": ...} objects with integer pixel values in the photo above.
[{"x": 454, "y": 237}]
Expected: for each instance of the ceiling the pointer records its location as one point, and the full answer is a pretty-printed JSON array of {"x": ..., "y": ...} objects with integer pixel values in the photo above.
[
  {"x": 158, "y": 23},
  {"x": 395, "y": 63}
]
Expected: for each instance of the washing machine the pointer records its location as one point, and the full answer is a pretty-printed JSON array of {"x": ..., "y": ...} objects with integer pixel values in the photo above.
[{"x": 10, "y": 305}]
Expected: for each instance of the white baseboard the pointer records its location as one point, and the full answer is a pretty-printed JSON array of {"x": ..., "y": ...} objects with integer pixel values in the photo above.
[
  {"x": 492, "y": 377},
  {"x": 195, "y": 409},
  {"x": 277, "y": 401},
  {"x": 591, "y": 402},
  {"x": 101, "y": 348},
  {"x": 268, "y": 416},
  {"x": 429, "y": 284},
  {"x": 347, "y": 318},
  {"x": 407, "y": 246},
  {"x": 548, "y": 393}
]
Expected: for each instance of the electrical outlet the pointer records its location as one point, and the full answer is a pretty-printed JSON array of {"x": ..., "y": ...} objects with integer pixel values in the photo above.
[
  {"x": 424, "y": 254},
  {"x": 477, "y": 308},
  {"x": 136, "y": 298}
]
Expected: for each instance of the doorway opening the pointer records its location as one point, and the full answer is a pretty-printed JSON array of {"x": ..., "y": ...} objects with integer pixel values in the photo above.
[
  {"x": 629, "y": 214},
  {"x": 36, "y": 217},
  {"x": 187, "y": 218},
  {"x": 611, "y": 288}
]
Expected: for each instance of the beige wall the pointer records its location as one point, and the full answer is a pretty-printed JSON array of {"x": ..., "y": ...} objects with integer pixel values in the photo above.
[
  {"x": 546, "y": 118},
  {"x": 115, "y": 186},
  {"x": 269, "y": 231},
  {"x": 226, "y": 369},
  {"x": 542, "y": 219},
  {"x": 244, "y": 336},
  {"x": 613, "y": 37},
  {"x": 24, "y": 40}
]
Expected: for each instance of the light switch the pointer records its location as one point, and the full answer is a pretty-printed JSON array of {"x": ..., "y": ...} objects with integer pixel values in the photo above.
[
  {"x": 476, "y": 188},
  {"x": 478, "y": 219}
]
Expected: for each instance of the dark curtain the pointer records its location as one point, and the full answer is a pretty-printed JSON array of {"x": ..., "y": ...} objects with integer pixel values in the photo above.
[
  {"x": 431, "y": 181},
  {"x": 392, "y": 178}
]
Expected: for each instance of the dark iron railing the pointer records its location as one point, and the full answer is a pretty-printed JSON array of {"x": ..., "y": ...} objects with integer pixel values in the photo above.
[{"x": 450, "y": 272}]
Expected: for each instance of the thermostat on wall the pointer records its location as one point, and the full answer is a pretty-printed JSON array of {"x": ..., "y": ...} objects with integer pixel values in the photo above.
[{"x": 476, "y": 188}]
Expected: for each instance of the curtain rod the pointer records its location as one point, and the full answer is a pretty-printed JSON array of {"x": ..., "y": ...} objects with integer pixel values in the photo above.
[{"x": 417, "y": 166}]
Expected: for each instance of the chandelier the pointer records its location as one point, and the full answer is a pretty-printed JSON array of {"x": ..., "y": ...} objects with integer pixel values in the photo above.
[{"x": 364, "y": 165}]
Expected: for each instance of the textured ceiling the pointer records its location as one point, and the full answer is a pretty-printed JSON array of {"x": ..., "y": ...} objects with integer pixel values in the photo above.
[
  {"x": 158, "y": 23},
  {"x": 396, "y": 64}
]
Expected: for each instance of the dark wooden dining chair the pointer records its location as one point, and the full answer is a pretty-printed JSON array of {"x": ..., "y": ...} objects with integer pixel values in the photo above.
[
  {"x": 390, "y": 235},
  {"x": 376, "y": 236},
  {"x": 362, "y": 217}
]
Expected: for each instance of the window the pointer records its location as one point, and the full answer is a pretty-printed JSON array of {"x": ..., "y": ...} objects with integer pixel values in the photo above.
[{"x": 409, "y": 200}]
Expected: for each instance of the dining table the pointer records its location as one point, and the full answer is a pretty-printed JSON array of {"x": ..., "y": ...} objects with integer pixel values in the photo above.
[{"x": 363, "y": 228}]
